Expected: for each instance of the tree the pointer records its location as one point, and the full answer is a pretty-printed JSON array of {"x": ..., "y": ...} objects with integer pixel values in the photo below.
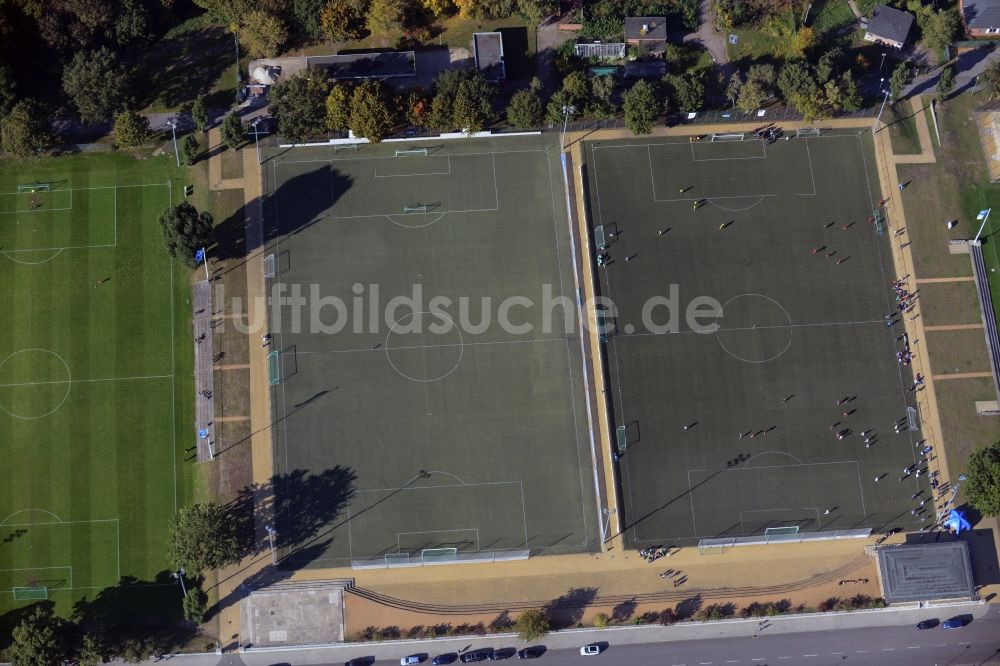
[
  {"x": 533, "y": 11},
  {"x": 132, "y": 24},
  {"x": 262, "y": 34},
  {"x": 8, "y": 89},
  {"x": 439, "y": 8},
  {"x": 189, "y": 147},
  {"x": 946, "y": 82},
  {"x": 532, "y": 624},
  {"x": 195, "y": 605},
  {"x": 806, "y": 39},
  {"x": 575, "y": 92},
  {"x": 828, "y": 64},
  {"x": 982, "y": 482},
  {"x": 199, "y": 113},
  {"x": 733, "y": 87},
  {"x": 39, "y": 640},
  {"x": 299, "y": 104},
  {"x": 602, "y": 89},
  {"x": 525, "y": 110},
  {"x": 417, "y": 106},
  {"x": 940, "y": 29},
  {"x": 473, "y": 105},
  {"x": 373, "y": 113},
  {"x": 192, "y": 543},
  {"x": 810, "y": 105},
  {"x": 795, "y": 78},
  {"x": 384, "y": 17},
  {"x": 339, "y": 21},
  {"x": 233, "y": 132},
  {"x": 24, "y": 131},
  {"x": 601, "y": 620},
  {"x": 338, "y": 108},
  {"x": 97, "y": 83},
  {"x": 90, "y": 652},
  {"x": 131, "y": 129},
  {"x": 850, "y": 98},
  {"x": 990, "y": 79},
  {"x": 307, "y": 15},
  {"x": 689, "y": 92},
  {"x": 763, "y": 74},
  {"x": 752, "y": 97},
  {"x": 641, "y": 108},
  {"x": 900, "y": 77}
]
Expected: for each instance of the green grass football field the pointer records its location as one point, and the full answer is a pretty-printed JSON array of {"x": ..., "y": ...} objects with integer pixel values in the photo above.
[{"x": 94, "y": 387}]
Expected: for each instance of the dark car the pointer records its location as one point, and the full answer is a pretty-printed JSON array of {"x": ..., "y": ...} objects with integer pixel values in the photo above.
[
  {"x": 502, "y": 654},
  {"x": 533, "y": 652},
  {"x": 448, "y": 658},
  {"x": 953, "y": 623},
  {"x": 928, "y": 624},
  {"x": 476, "y": 655}
]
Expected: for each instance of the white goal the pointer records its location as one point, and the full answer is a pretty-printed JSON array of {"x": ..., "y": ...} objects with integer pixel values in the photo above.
[
  {"x": 735, "y": 136},
  {"x": 411, "y": 151},
  {"x": 808, "y": 131}
]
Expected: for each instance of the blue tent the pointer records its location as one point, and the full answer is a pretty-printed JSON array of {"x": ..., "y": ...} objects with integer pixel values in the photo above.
[{"x": 957, "y": 522}]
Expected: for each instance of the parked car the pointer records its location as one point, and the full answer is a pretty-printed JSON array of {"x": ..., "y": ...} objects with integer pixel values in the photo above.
[
  {"x": 533, "y": 652},
  {"x": 953, "y": 623},
  {"x": 447, "y": 658},
  {"x": 474, "y": 656},
  {"x": 590, "y": 649},
  {"x": 928, "y": 624},
  {"x": 410, "y": 659},
  {"x": 502, "y": 653}
]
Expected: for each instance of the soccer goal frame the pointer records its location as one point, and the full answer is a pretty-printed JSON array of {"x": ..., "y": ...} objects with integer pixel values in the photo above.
[
  {"x": 33, "y": 187},
  {"x": 416, "y": 208},
  {"x": 406, "y": 152},
  {"x": 732, "y": 136},
  {"x": 808, "y": 131},
  {"x": 30, "y": 593},
  {"x": 345, "y": 146}
]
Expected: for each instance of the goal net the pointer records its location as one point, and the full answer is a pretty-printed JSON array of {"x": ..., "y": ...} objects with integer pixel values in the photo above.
[
  {"x": 411, "y": 151},
  {"x": 416, "y": 208},
  {"x": 33, "y": 187},
  {"x": 30, "y": 593},
  {"x": 735, "y": 136},
  {"x": 808, "y": 131}
]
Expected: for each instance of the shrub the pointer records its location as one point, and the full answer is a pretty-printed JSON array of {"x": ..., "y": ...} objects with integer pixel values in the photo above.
[{"x": 601, "y": 620}]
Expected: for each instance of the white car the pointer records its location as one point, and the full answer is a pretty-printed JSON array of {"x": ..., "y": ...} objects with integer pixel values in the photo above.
[
  {"x": 590, "y": 649},
  {"x": 411, "y": 659}
]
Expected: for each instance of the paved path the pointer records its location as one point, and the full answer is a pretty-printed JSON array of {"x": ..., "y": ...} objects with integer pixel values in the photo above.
[
  {"x": 204, "y": 358},
  {"x": 706, "y": 35}
]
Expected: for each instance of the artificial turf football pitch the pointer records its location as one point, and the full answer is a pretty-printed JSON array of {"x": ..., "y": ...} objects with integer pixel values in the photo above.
[
  {"x": 455, "y": 431},
  {"x": 93, "y": 397},
  {"x": 730, "y": 419}
]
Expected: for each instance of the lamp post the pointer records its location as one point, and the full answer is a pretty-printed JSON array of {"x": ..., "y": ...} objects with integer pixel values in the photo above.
[
  {"x": 256, "y": 142},
  {"x": 179, "y": 575},
  {"x": 270, "y": 535},
  {"x": 568, "y": 109},
  {"x": 173, "y": 129},
  {"x": 884, "y": 100},
  {"x": 881, "y": 63},
  {"x": 984, "y": 215}
]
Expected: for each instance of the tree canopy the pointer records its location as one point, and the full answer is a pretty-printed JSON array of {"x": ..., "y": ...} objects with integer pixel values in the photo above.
[
  {"x": 39, "y": 640},
  {"x": 185, "y": 231},
  {"x": 233, "y": 132},
  {"x": 339, "y": 20},
  {"x": 97, "y": 83},
  {"x": 202, "y": 536},
  {"x": 24, "y": 131},
  {"x": 262, "y": 34},
  {"x": 373, "y": 112},
  {"x": 531, "y": 625},
  {"x": 525, "y": 109},
  {"x": 338, "y": 108},
  {"x": 641, "y": 107},
  {"x": 199, "y": 113},
  {"x": 299, "y": 104},
  {"x": 982, "y": 482},
  {"x": 131, "y": 129}
]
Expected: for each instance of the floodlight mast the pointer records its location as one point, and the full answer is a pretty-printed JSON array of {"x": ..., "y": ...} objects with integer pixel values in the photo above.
[
  {"x": 984, "y": 215},
  {"x": 173, "y": 129}
]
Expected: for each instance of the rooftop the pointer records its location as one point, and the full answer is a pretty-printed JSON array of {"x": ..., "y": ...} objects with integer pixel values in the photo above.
[
  {"x": 890, "y": 24},
  {"x": 981, "y": 14},
  {"x": 487, "y": 49},
  {"x": 655, "y": 28},
  {"x": 926, "y": 571}
]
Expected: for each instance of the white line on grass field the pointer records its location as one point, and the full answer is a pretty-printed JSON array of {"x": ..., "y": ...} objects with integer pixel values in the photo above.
[
  {"x": 84, "y": 381},
  {"x": 383, "y": 349},
  {"x": 391, "y": 157},
  {"x": 423, "y": 173},
  {"x": 726, "y": 159},
  {"x": 399, "y": 546},
  {"x": 756, "y": 328}
]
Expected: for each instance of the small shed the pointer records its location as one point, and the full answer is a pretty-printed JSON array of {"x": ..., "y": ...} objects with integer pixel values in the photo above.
[
  {"x": 648, "y": 31},
  {"x": 645, "y": 69},
  {"x": 487, "y": 49},
  {"x": 925, "y": 572},
  {"x": 889, "y": 26}
]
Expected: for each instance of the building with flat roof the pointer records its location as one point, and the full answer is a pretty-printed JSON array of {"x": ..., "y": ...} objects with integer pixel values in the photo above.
[
  {"x": 649, "y": 31},
  {"x": 487, "y": 50},
  {"x": 925, "y": 572}
]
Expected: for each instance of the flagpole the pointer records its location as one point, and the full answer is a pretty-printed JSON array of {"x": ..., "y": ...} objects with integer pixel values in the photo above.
[{"x": 204, "y": 257}]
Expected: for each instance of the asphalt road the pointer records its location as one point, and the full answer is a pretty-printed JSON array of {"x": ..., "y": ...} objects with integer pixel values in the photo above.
[{"x": 978, "y": 644}]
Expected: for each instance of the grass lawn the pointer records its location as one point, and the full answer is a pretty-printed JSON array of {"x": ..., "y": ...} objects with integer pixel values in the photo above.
[
  {"x": 754, "y": 45},
  {"x": 828, "y": 15},
  {"x": 95, "y": 373},
  {"x": 902, "y": 129}
]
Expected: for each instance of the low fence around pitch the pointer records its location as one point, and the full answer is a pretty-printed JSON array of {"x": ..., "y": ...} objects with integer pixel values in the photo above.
[
  {"x": 763, "y": 540},
  {"x": 397, "y": 560}
]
